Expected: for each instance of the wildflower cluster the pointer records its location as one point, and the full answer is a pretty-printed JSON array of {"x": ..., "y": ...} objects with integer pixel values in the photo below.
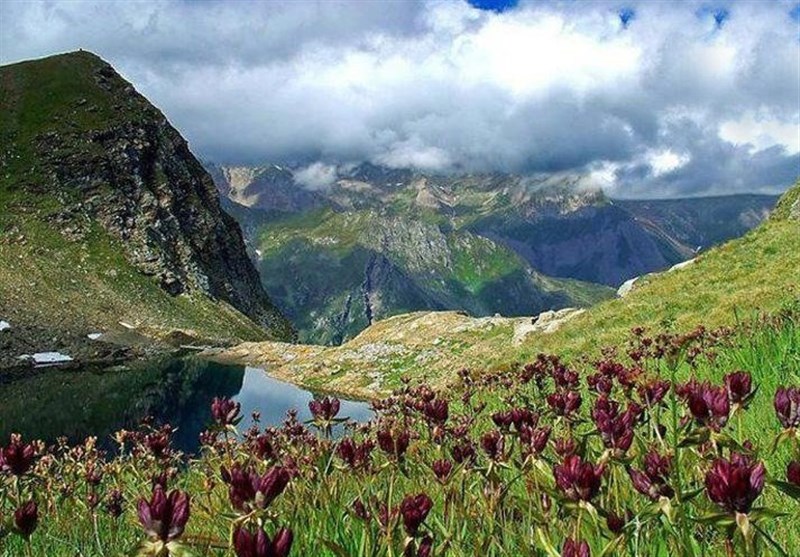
[{"x": 608, "y": 457}]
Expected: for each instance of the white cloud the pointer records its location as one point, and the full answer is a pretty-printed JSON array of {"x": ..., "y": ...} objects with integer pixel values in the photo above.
[
  {"x": 544, "y": 87},
  {"x": 316, "y": 176},
  {"x": 762, "y": 132},
  {"x": 665, "y": 161}
]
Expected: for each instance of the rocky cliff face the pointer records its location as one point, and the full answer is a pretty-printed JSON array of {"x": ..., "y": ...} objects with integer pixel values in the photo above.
[{"x": 83, "y": 141}]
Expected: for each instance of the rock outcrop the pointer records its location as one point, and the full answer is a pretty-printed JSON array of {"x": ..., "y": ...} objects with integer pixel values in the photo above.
[{"x": 78, "y": 133}]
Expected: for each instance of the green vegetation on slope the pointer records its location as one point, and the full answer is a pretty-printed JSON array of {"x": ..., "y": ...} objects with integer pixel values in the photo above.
[
  {"x": 735, "y": 282},
  {"x": 88, "y": 286},
  {"x": 335, "y": 273},
  {"x": 103, "y": 209}
]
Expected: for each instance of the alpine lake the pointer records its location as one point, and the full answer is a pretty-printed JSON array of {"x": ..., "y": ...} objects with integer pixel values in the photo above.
[{"x": 52, "y": 402}]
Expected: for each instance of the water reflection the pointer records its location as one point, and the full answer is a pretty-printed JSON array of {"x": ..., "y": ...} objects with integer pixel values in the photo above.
[{"x": 49, "y": 403}]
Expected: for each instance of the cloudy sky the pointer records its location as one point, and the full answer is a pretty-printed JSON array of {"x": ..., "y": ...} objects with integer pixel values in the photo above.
[{"x": 648, "y": 98}]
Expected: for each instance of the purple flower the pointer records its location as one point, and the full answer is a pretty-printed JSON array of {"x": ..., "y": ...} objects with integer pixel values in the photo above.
[
  {"x": 793, "y": 472},
  {"x": 734, "y": 484},
  {"x": 739, "y": 385},
  {"x": 493, "y": 445},
  {"x": 164, "y": 517},
  {"x": 709, "y": 405},
  {"x": 575, "y": 548},
  {"x": 414, "y": 509},
  {"x": 225, "y": 412},
  {"x": 615, "y": 429},
  {"x": 393, "y": 444},
  {"x": 249, "y": 490},
  {"x": 247, "y": 544},
  {"x": 357, "y": 456},
  {"x": 579, "y": 480},
  {"x": 324, "y": 409},
  {"x": 437, "y": 411},
  {"x": 534, "y": 440},
  {"x": 787, "y": 406},
  {"x": 17, "y": 457},
  {"x": 564, "y": 403},
  {"x": 26, "y": 518},
  {"x": 441, "y": 469},
  {"x": 653, "y": 392}
]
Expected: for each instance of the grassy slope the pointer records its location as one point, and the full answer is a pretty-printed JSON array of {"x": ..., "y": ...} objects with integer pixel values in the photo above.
[
  {"x": 44, "y": 277},
  {"x": 736, "y": 281}
]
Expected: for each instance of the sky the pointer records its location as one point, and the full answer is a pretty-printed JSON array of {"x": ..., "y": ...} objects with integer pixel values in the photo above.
[{"x": 644, "y": 98}]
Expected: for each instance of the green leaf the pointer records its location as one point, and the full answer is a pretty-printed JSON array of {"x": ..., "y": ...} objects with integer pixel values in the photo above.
[
  {"x": 336, "y": 548},
  {"x": 547, "y": 545},
  {"x": 791, "y": 490},
  {"x": 720, "y": 520}
]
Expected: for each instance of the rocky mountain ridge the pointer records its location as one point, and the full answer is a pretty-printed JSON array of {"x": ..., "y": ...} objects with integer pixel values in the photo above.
[
  {"x": 91, "y": 162},
  {"x": 378, "y": 241}
]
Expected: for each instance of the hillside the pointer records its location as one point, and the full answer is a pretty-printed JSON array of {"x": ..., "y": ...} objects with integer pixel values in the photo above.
[
  {"x": 737, "y": 281},
  {"x": 379, "y": 242},
  {"x": 106, "y": 216},
  {"x": 336, "y": 273}
]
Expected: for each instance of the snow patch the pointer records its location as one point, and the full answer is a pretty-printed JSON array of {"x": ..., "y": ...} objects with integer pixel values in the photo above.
[
  {"x": 94, "y": 336},
  {"x": 46, "y": 358},
  {"x": 4, "y": 325}
]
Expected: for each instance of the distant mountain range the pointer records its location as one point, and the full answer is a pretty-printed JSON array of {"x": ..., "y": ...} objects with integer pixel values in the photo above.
[{"x": 379, "y": 241}]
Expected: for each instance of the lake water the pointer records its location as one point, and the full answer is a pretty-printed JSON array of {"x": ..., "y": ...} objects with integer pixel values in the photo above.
[{"x": 53, "y": 402}]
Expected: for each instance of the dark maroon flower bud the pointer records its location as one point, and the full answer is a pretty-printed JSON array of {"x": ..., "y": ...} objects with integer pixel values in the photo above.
[
  {"x": 441, "y": 469},
  {"x": 414, "y": 509},
  {"x": 574, "y": 548},
  {"x": 437, "y": 411},
  {"x": 17, "y": 457},
  {"x": 502, "y": 420},
  {"x": 614, "y": 522},
  {"x": 579, "y": 480},
  {"x": 115, "y": 503},
  {"x": 324, "y": 409},
  {"x": 709, "y": 405},
  {"x": 787, "y": 406},
  {"x": 616, "y": 430},
  {"x": 464, "y": 452},
  {"x": 360, "y": 510},
  {"x": 565, "y": 446},
  {"x": 534, "y": 440},
  {"x": 225, "y": 412},
  {"x": 425, "y": 548},
  {"x": 94, "y": 475},
  {"x": 493, "y": 445},
  {"x": 26, "y": 519},
  {"x": 158, "y": 442},
  {"x": 247, "y": 544},
  {"x": 564, "y": 403},
  {"x": 793, "y": 472},
  {"x": 739, "y": 385},
  {"x": 734, "y": 484},
  {"x": 247, "y": 489},
  {"x": 601, "y": 383},
  {"x": 263, "y": 448},
  {"x": 657, "y": 466},
  {"x": 164, "y": 517},
  {"x": 653, "y": 392},
  {"x": 393, "y": 444},
  {"x": 356, "y": 455}
]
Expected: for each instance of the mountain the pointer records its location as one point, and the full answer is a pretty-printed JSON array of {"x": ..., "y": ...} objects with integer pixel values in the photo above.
[
  {"x": 380, "y": 241},
  {"x": 702, "y": 221},
  {"x": 739, "y": 281},
  {"x": 335, "y": 273},
  {"x": 106, "y": 215}
]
